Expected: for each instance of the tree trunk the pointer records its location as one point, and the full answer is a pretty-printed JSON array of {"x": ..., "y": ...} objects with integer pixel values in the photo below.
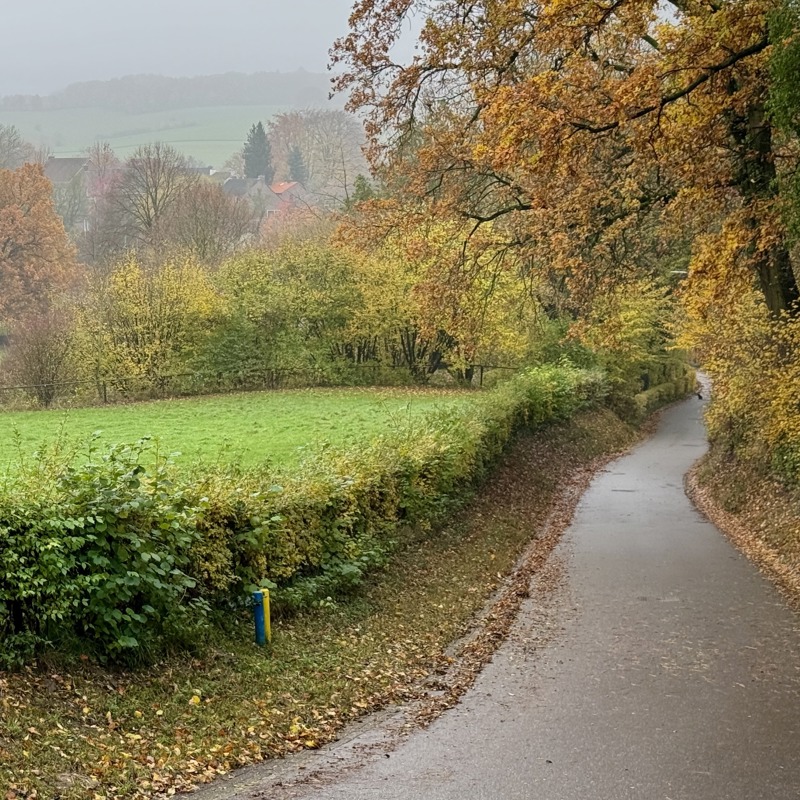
[
  {"x": 756, "y": 178},
  {"x": 778, "y": 282}
]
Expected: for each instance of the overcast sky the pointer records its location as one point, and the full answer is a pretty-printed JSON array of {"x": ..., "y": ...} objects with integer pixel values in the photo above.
[{"x": 48, "y": 44}]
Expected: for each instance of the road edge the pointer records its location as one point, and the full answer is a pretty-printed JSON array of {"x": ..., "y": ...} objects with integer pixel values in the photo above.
[{"x": 745, "y": 540}]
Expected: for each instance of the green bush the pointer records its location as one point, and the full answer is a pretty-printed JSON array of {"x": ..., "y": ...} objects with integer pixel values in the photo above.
[
  {"x": 96, "y": 554},
  {"x": 124, "y": 561}
]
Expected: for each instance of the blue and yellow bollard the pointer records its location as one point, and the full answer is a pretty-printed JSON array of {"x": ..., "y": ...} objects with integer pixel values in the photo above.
[{"x": 261, "y": 616}]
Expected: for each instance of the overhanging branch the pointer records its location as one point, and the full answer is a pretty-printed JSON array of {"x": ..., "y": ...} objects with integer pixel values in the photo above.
[{"x": 667, "y": 99}]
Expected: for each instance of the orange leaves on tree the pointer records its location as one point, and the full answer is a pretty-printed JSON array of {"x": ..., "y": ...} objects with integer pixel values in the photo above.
[
  {"x": 571, "y": 125},
  {"x": 37, "y": 261}
]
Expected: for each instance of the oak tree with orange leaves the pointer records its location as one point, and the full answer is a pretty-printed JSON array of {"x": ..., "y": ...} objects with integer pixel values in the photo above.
[
  {"x": 37, "y": 261},
  {"x": 569, "y": 125}
]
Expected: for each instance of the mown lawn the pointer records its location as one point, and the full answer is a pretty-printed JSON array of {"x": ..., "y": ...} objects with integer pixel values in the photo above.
[{"x": 252, "y": 428}]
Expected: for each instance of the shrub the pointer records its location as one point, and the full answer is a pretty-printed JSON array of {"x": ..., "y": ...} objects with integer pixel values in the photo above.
[
  {"x": 96, "y": 553},
  {"x": 656, "y": 396},
  {"x": 127, "y": 560},
  {"x": 41, "y": 357}
]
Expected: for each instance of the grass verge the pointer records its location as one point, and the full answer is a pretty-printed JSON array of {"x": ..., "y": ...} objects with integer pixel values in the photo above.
[
  {"x": 758, "y": 513},
  {"x": 76, "y": 731}
]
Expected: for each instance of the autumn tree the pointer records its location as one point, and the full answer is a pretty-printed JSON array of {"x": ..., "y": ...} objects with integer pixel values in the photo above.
[
  {"x": 143, "y": 321},
  {"x": 103, "y": 170},
  {"x": 153, "y": 179},
  {"x": 322, "y": 145},
  {"x": 208, "y": 222},
  {"x": 429, "y": 301},
  {"x": 257, "y": 154},
  {"x": 566, "y": 124},
  {"x": 106, "y": 231},
  {"x": 37, "y": 261},
  {"x": 41, "y": 355},
  {"x": 14, "y": 150},
  {"x": 235, "y": 163},
  {"x": 785, "y": 103}
]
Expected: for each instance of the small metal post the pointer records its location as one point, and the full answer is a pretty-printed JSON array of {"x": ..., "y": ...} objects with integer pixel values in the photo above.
[
  {"x": 258, "y": 618},
  {"x": 261, "y": 617}
]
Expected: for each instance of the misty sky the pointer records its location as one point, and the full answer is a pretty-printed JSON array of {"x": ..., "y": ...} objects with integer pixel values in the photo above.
[{"x": 51, "y": 43}]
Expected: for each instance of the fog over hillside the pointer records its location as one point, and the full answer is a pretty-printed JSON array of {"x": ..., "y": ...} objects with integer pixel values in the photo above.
[
  {"x": 139, "y": 94},
  {"x": 51, "y": 44}
]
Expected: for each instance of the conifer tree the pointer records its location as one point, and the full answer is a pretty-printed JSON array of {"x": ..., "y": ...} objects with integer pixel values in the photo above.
[
  {"x": 298, "y": 171},
  {"x": 257, "y": 154}
]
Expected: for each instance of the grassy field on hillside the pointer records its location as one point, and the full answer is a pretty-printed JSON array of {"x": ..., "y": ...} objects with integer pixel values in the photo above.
[
  {"x": 210, "y": 135},
  {"x": 251, "y": 428}
]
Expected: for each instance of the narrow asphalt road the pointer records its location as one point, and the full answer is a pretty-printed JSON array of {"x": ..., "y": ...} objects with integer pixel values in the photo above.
[{"x": 674, "y": 675}]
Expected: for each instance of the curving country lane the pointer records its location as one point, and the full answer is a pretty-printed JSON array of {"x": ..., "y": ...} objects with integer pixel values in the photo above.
[{"x": 674, "y": 673}]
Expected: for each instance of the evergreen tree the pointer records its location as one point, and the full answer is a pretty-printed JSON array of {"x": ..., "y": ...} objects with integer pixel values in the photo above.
[
  {"x": 258, "y": 154},
  {"x": 298, "y": 171},
  {"x": 362, "y": 191}
]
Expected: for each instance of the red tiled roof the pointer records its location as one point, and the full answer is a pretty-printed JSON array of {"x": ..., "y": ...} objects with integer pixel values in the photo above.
[{"x": 283, "y": 186}]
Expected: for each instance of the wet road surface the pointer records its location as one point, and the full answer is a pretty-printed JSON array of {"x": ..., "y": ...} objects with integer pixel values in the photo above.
[{"x": 675, "y": 674}]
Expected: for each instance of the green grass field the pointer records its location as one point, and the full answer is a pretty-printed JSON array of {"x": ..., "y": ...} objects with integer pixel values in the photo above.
[
  {"x": 253, "y": 428},
  {"x": 209, "y": 134}
]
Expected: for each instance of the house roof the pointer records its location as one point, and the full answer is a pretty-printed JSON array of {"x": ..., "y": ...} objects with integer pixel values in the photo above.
[
  {"x": 284, "y": 186},
  {"x": 63, "y": 170},
  {"x": 236, "y": 186},
  {"x": 270, "y": 198}
]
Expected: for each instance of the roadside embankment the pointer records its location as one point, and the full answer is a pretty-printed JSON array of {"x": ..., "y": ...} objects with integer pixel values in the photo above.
[{"x": 759, "y": 513}]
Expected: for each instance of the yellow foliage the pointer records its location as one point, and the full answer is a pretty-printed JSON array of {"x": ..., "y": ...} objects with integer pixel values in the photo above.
[
  {"x": 627, "y": 328},
  {"x": 432, "y": 276},
  {"x": 137, "y": 321},
  {"x": 752, "y": 357}
]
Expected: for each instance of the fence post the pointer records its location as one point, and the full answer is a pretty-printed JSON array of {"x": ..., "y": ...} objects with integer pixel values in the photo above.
[{"x": 258, "y": 618}]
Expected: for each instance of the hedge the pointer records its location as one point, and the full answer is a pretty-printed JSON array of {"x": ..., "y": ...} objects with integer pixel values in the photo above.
[
  {"x": 677, "y": 388},
  {"x": 122, "y": 561}
]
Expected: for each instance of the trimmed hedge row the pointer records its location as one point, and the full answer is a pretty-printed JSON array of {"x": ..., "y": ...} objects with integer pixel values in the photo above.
[
  {"x": 657, "y": 396},
  {"x": 123, "y": 561},
  {"x": 322, "y": 526}
]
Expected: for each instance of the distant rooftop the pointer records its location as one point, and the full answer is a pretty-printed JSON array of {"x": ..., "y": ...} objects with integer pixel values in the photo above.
[
  {"x": 283, "y": 186},
  {"x": 63, "y": 170}
]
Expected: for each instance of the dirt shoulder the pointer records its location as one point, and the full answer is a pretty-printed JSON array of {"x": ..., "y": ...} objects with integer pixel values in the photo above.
[{"x": 760, "y": 515}]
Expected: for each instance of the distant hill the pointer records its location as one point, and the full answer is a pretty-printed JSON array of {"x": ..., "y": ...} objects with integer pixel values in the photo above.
[
  {"x": 141, "y": 94},
  {"x": 205, "y": 117}
]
